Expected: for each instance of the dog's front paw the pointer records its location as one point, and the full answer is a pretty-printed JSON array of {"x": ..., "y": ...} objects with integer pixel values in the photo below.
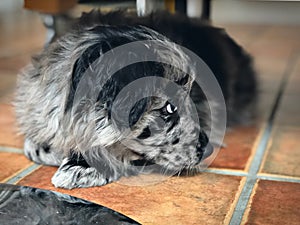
[
  {"x": 76, "y": 174},
  {"x": 42, "y": 153}
]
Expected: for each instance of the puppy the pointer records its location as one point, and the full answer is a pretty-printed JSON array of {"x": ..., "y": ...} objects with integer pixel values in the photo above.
[{"x": 94, "y": 130}]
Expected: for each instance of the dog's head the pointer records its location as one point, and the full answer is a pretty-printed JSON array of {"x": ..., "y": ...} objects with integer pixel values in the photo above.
[{"x": 145, "y": 105}]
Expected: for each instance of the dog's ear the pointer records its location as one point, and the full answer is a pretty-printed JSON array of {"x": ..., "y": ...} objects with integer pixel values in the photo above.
[
  {"x": 137, "y": 111},
  {"x": 123, "y": 100},
  {"x": 124, "y": 116},
  {"x": 80, "y": 66},
  {"x": 117, "y": 106}
]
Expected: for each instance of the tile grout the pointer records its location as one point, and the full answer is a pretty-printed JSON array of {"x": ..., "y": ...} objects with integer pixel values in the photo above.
[
  {"x": 23, "y": 173},
  {"x": 255, "y": 165},
  {"x": 248, "y": 209},
  {"x": 280, "y": 178},
  {"x": 11, "y": 149},
  {"x": 226, "y": 172},
  {"x": 255, "y": 146},
  {"x": 233, "y": 204}
]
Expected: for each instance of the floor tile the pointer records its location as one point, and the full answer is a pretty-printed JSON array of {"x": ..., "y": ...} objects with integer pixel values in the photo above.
[
  {"x": 45, "y": 173},
  {"x": 21, "y": 32},
  {"x": 7, "y": 85},
  {"x": 239, "y": 143},
  {"x": 11, "y": 163},
  {"x": 8, "y": 97},
  {"x": 268, "y": 84},
  {"x": 270, "y": 48},
  {"x": 288, "y": 35},
  {"x": 288, "y": 113},
  {"x": 277, "y": 42},
  {"x": 270, "y": 72},
  {"x": 8, "y": 79},
  {"x": 264, "y": 106},
  {"x": 275, "y": 203},
  {"x": 244, "y": 35},
  {"x": 283, "y": 155},
  {"x": 15, "y": 63},
  {"x": 293, "y": 86},
  {"x": 8, "y": 128},
  {"x": 202, "y": 199}
]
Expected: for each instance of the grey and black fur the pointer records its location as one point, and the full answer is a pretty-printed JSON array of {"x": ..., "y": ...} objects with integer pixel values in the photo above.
[
  {"x": 159, "y": 133},
  {"x": 231, "y": 65}
]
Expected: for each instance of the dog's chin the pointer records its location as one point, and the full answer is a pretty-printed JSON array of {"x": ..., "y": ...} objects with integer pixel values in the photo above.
[
  {"x": 200, "y": 162},
  {"x": 193, "y": 169}
]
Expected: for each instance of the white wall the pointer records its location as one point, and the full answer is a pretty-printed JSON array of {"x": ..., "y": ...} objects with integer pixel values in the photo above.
[{"x": 251, "y": 11}]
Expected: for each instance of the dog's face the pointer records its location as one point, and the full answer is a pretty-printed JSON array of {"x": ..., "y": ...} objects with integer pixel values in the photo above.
[
  {"x": 163, "y": 130},
  {"x": 168, "y": 135}
]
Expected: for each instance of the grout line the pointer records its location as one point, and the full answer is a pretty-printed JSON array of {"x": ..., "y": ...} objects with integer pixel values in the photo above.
[
  {"x": 279, "y": 178},
  {"x": 254, "y": 148},
  {"x": 242, "y": 203},
  {"x": 261, "y": 148},
  {"x": 226, "y": 172},
  {"x": 22, "y": 174},
  {"x": 10, "y": 149},
  {"x": 248, "y": 209},
  {"x": 243, "y": 200},
  {"x": 262, "y": 176},
  {"x": 233, "y": 204},
  {"x": 270, "y": 144}
]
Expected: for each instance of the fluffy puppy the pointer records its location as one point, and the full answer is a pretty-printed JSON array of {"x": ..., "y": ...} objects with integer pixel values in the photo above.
[{"x": 81, "y": 136}]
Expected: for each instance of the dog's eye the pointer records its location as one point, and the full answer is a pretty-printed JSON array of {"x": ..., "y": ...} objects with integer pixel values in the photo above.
[{"x": 171, "y": 108}]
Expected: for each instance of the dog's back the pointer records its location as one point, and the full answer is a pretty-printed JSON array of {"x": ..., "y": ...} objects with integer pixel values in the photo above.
[{"x": 231, "y": 65}]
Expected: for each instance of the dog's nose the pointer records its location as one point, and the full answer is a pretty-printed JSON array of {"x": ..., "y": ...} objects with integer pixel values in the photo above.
[
  {"x": 209, "y": 149},
  {"x": 203, "y": 139},
  {"x": 205, "y": 152},
  {"x": 204, "y": 148}
]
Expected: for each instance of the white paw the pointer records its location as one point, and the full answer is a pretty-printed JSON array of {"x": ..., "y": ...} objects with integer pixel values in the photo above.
[{"x": 73, "y": 176}]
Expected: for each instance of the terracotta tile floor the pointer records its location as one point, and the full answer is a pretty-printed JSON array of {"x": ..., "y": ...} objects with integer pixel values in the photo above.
[{"x": 255, "y": 180}]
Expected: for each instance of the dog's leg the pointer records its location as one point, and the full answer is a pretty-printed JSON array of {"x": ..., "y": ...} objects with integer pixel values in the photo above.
[
  {"x": 75, "y": 172},
  {"x": 42, "y": 153}
]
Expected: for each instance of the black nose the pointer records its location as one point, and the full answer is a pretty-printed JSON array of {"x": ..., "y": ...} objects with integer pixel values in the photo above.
[
  {"x": 209, "y": 149},
  {"x": 204, "y": 148},
  {"x": 203, "y": 139}
]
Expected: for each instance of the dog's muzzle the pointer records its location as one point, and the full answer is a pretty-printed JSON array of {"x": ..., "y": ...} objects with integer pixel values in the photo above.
[{"x": 204, "y": 148}]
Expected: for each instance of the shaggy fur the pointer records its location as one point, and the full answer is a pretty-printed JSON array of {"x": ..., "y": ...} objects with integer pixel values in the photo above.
[
  {"x": 231, "y": 65},
  {"x": 82, "y": 139}
]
